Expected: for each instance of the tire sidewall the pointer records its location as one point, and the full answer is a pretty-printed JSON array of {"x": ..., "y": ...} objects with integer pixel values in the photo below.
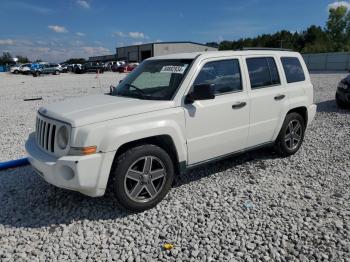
[
  {"x": 281, "y": 139},
  {"x": 122, "y": 167}
]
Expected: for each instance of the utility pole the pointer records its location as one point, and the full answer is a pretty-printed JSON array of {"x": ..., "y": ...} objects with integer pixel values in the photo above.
[{"x": 281, "y": 43}]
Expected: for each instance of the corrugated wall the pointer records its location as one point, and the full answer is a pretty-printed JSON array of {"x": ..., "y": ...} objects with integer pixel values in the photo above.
[{"x": 328, "y": 61}]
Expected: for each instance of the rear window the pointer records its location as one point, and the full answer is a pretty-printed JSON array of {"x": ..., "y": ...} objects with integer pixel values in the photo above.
[
  {"x": 262, "y": 72},
  {"x": 293, "y": 69}
]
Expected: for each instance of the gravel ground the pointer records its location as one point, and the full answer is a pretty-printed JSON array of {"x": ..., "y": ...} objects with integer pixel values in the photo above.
[
  {"x": 256, "y": 207},
  {"x": 18, "y": 116}
]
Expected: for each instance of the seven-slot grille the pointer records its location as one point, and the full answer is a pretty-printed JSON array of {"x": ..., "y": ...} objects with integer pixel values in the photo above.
[{"x": 45, "y": 134}]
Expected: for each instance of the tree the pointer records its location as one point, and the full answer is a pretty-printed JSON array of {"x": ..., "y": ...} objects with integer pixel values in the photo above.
[
  {"x": 6, "y": 58},
  {"x": 338, "y": 28},
  {"x": 316, "y": 40},
  {"x": 213, "y": 44},
  {"x": 76, "y": 61},
  {"x": 22, "y": 59}
]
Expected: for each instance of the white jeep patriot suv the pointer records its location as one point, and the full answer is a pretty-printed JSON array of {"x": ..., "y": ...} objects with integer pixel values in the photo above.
[{"x": 170, "y": 114}]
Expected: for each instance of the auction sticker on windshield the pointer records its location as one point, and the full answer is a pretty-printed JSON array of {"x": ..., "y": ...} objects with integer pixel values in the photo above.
[{"x": 174, "y": 69}]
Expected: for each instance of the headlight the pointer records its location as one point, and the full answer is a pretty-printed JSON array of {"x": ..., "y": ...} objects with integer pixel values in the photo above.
[
  {"x": 62, "y": 137},
  {"x": 343, "y": 85}
]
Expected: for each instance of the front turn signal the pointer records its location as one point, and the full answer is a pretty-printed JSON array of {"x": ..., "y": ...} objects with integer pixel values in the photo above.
[{"x": 82, "y": 151}]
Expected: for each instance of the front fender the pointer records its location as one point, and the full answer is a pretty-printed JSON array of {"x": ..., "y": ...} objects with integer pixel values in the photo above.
[{"x": 108, "y": 136}]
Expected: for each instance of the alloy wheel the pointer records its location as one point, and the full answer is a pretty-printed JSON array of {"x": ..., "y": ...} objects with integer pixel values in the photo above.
[
  {"x": 145, "y": 179},
  {"x": 293, "y": 135}
]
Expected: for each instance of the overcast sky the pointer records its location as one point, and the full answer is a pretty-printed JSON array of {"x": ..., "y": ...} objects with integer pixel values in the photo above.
[{"x": 57, "y": 30}]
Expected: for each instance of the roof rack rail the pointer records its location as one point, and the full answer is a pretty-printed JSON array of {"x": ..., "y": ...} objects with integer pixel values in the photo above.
[{"x": 264, "y": 48}]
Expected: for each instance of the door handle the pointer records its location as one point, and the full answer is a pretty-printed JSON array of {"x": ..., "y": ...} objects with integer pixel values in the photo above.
[
  {"x": 239, "y": 105},
  {"x": 279, "y": 97}
]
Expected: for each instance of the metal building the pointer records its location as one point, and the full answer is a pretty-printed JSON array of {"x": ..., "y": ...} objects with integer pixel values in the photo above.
[{"x": 138, "y": 53}]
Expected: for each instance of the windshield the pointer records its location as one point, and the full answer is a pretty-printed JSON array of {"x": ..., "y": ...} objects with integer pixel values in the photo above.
[{"x": 154, "y": 79}]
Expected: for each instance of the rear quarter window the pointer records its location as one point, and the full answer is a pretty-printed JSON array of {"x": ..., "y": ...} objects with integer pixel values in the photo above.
[{"x": 293, "y": 70}]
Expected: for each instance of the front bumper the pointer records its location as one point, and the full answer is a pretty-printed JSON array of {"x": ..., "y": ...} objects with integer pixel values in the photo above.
[
  {"x": 85, "y": 174},
  {"x": 311, "y": 113}
]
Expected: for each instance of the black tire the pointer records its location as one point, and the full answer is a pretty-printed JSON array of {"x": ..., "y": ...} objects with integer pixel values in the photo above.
[
  {"x": 36, "y": 73},
  {"x": 16, "y": 72},
  {"x": 340, "y": 103},
  {"x": 283, "y": 142},
  {"x": 57, "y": 72},
  {"x": 127, "y": 161}
]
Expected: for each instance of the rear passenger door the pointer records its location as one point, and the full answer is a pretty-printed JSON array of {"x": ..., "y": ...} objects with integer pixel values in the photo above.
[{"x": 267, "y": 99}]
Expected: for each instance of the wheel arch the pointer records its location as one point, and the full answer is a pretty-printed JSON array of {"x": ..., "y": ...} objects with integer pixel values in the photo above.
[
  {"x": 302, "y": 110},
  {"x": 163, "y": 141}
]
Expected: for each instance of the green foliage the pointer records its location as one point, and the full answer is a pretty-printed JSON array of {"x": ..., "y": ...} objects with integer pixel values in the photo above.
[
  {"x": 338, "y": 28},
  {"x": 213, "y": 44},
  {"x": 315, "y": 39},
  {"x": 22, "y": 59},
  {"x": 6, "y": 58},
  {"x": 75, "y": 61}
]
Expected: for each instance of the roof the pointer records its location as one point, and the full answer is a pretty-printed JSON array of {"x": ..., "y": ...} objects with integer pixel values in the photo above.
[
  {"x": 161, "y": 43},
  {"x": 212, "y": 54}
]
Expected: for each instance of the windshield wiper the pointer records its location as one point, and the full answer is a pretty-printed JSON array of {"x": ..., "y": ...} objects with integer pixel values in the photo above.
[{"x": 140, "y": 91}]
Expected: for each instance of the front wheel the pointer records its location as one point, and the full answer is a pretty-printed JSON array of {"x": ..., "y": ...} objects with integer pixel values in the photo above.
[
  {"x": 142, "y": 177},
  {"x": 291, "y": 135}
]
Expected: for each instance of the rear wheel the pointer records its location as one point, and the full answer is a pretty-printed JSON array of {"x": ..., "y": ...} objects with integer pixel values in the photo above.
[
  {"x": 142, "y": 177},
  {"x": 57, "y": 72},
  {"x": 16, "y": 72},
  {"x": 291, "y": 135}
]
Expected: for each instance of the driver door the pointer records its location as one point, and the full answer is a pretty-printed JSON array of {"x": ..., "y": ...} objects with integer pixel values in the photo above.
[{"x": 219, "y": 126}]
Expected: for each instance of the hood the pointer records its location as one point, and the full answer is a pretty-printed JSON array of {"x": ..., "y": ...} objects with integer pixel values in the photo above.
[{"x": 97, "y": 108}]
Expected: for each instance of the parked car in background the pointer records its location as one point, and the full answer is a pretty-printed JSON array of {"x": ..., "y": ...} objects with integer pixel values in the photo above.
[
  {"x": 78, "y": 69},
  {"x": 342, "y": 96},
  {"x": 50, "y": 68},
  {"x": 21, "y": 69},
  {"x": 93, "y": 67},
  {"x": 25, "y": 69},
  {"x": 127, "y": 68},
  {"x": 64, "y": 68},
  {"x": 15, "y": 69},
  {"x": 117, "y": 64},
  {"x": 172, "y": 114},
  {"x": 72, "y": 67}
]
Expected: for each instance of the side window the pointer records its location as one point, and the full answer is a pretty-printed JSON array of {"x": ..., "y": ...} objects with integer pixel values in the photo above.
[
  {"x": 262, "y": 72},
  {"x": 224, "y": 76},
  {"x": 293, "y": 69}
]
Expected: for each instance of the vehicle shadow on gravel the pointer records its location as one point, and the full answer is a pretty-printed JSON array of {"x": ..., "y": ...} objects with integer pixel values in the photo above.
[
  {"x": 256, "y": 157},
  {"x": 330, "y": 106},
  {"x": 26, "y": 200}
]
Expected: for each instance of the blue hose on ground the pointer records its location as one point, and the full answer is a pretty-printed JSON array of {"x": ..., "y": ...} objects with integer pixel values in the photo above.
[{"x": 14, "y": 163}]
